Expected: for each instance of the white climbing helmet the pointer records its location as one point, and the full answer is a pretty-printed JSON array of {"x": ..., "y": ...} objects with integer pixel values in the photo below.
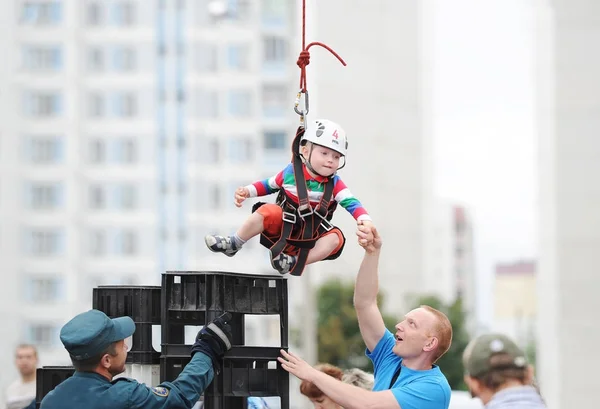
[{"x": 326, "y": 133}]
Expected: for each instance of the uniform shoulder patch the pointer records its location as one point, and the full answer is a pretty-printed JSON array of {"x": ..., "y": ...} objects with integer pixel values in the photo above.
[{"x": 160, "y": 391}]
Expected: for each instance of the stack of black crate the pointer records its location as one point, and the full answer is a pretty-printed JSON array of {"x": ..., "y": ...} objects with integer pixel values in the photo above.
[{"x": 194, "y": 298}]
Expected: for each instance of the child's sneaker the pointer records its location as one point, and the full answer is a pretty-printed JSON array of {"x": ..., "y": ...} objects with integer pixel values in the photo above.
[
  {"x": 220, "y": 244},
  {"x": 283, "y": 263}
]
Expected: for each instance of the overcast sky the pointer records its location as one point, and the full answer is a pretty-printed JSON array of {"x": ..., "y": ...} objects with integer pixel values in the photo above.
[{"x": 484, "y": 125}]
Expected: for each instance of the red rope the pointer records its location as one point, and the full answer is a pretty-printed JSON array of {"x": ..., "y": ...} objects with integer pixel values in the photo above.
[{"x": 304, "y": 58}]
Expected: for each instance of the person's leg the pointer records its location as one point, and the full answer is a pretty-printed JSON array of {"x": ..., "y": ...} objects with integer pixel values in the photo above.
[
  {"x": 266, "y": 218},
  {"x": 328, "y": 245},
  {"x": 325, "y": 246},
  {"x": 252, "y": 226}
]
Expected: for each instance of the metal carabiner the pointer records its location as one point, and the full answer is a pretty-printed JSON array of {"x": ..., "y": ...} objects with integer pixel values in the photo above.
[{"x": 304, "y": 112}]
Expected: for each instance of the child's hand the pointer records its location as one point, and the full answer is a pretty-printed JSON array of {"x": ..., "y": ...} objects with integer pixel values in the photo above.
[
  {"x": 364, "y": 233},
  {"x": 241, "y": 194}
]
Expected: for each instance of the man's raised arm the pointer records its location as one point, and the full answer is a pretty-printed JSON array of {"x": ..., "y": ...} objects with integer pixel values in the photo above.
[{"x": 370, "y": 320}]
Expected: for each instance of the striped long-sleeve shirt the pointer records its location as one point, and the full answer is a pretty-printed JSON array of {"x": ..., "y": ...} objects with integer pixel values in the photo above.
[{"x": 315, "y": 186}]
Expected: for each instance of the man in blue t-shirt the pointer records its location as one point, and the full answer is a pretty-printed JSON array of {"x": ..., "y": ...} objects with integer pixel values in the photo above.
[
  {"x": 405, "y": 374},
  {"x": 404, "y": 361}
]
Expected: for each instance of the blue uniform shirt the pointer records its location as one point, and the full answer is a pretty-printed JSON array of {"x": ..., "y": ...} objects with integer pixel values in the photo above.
[
  {"x": 413, "y": 389},
  {"x": 90, "y": 390}
]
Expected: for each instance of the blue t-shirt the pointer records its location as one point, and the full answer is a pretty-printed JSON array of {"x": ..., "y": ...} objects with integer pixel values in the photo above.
[{"x": 413, "y": 389}]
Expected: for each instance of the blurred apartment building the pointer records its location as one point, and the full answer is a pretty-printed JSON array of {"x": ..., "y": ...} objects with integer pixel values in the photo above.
[
  {"x": 125, "y": 126},
  {"x": 569, "y": 176},
  {"x": 515, "y": 301},
  {"x": 450, "y": 268}
]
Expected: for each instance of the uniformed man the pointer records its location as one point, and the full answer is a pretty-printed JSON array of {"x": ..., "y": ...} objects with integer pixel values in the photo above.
[{"x": 98, "y": 348}]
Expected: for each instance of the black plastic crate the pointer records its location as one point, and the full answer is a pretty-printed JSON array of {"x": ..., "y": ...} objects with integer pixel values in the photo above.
[
  {"x": 187, "y": 291},
  {"x": 142, "y": 351},
  {"x": 196, "y": 297},
  {"x": 174, "y": 333},
  {"x": 141, "y": 303},
  {"x": 48, "y": 378},
  {"x": 245, "y": 372}
]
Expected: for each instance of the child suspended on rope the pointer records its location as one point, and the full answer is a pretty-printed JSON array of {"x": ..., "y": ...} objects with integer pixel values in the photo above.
[{"x": 297, "y": 229}]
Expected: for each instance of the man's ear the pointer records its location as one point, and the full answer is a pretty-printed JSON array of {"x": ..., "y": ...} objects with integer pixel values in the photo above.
[
  {"x": 105, "y": 361},
  {"x": 431, "y": 344},
  {"x": 472, "y": 385}
]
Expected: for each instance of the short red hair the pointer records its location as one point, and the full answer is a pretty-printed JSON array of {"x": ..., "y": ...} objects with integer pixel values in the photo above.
[
  {"x": 310, "y": 390},
  {"x": 442, "y": 331}
]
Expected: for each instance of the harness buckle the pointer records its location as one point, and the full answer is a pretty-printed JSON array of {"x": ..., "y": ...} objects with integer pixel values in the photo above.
[
  {"x": 305, "y": 211},
  {"x": 289, "y": 217},
  {"x": 324, "y": 222}
]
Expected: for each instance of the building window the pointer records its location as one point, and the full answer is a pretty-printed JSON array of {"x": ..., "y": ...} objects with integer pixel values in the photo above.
[
  {"x": 94, "y": 14},
  {"x": 42, "y": 104},
  {"x": 44, "y": 149},
  {"x": 238, "y": 57},
  {"x": 124, "y": 59},
  {"x": 215, "y": 201},
  {"x": 209, "y": 150},
  {"x": 127, "y": 243},
  {"x": 239, "y": 10},
  {"x": 124, "y": 104},
  {"x": 275, "y": 49},
  {"x": 208, "y": 196},
  {"x": 124, "y": 13},
  {"x": 206, "y": 57},
  {"x": 275, "y": 140},
  {"x": 207, "y": 104},
  {"x": 41, "y": 13},
  {"x": 126, "y": 151},
  {"x": 45, "y": 242},
  {"x": 43, "y": 335},
  {"x": 241, "y": 150},
  {"x": 97, "y": 243},
  {"x": 43, "y": 289},
  {"x": 240, "y": 103},
  {"x": 97, "y": 197},
  {"x": 44, "y": 196},
  {"x": 126, "y": 196},
  {"x": 274, "y": 99},
  {"x": 42, "y": 58},
  {"x": 274, "y": 12},
  {"x": 96, "y": 105},
  {"x": 95, "y": 59},
  {"x": 97, "y": 151}
]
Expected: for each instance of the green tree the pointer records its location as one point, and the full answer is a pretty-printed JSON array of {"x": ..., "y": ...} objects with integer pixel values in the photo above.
[
  {"x": 339, "y": 339},
  {"x": 451, "y": 363}
]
